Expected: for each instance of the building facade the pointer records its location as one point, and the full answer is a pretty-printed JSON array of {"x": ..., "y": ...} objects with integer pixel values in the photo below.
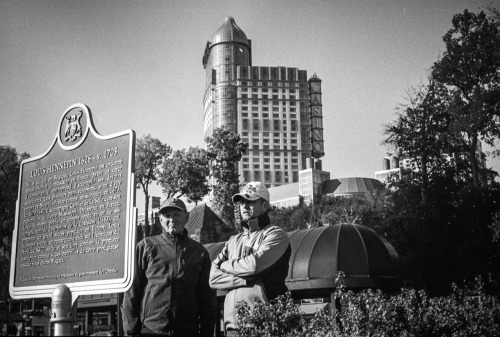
[{"x": 276, "y": 110}]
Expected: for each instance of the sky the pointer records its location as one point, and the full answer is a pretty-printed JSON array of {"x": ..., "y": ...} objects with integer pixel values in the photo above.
[{"x": 138, "y": 65}]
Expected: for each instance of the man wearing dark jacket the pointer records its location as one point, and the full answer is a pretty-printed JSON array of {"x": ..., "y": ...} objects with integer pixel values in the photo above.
[{"x": 170, "y": 294}]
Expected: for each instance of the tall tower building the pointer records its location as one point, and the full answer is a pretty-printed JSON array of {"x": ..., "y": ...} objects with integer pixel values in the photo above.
[{"x": 276, "y": 110}]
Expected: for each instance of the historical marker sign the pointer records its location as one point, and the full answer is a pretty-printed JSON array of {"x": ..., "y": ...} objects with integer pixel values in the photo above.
[{"x": 75, "y": 220}]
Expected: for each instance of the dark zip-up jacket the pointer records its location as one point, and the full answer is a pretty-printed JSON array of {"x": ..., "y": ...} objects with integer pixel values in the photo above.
[{"x": 170, "y": 293}]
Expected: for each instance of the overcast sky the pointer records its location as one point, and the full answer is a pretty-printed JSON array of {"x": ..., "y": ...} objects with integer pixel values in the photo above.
[{"x": 138, "y": 65}]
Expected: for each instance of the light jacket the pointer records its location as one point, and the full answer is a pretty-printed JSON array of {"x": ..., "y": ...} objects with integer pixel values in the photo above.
[
  {"x": 252, "y": 264},
  {"x": 170, "y": 293}
]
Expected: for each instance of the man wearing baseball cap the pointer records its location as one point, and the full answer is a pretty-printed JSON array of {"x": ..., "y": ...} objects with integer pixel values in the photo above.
[
  {"x": 170, "y": 294},
  {"x": 254, "y": 263}
]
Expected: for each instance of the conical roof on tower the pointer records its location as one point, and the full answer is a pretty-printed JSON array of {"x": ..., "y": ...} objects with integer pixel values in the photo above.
[{"x": 229, "y": 32}]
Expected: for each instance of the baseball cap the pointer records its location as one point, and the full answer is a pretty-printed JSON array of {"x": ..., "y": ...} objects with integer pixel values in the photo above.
[
  {"x": 253, "y": 191},
  {"x": 173, "y": 203}
]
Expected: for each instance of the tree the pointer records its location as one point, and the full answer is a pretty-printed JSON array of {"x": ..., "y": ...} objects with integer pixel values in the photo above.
[
  {"x": 291, "y": 218},
  {"x": 149, "y": 153},
  {"x": 421, "y": 132},
  {"x": 185, "y": 173},
  {"x": 470, "y": 67},
  {"x": 10, "y": 161},
  {"x": 224, "y": 150}
]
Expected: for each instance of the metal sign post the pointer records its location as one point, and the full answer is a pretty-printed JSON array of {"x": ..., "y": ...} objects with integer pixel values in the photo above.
[{"x": 63, "y": 311}]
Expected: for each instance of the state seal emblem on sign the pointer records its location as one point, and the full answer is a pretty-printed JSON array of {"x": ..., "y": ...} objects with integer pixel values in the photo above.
[{"x": 73, "y": 128}]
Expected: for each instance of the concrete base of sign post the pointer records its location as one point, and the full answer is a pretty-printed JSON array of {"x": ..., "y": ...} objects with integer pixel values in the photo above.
[{"x": 63, "y": 311}]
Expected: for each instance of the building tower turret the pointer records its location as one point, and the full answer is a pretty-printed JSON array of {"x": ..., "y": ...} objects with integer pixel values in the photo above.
[{"x": 228, "y": 49}]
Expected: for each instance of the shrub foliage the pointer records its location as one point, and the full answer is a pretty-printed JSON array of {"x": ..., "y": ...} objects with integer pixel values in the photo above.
[{"x": 467, "y": 311}]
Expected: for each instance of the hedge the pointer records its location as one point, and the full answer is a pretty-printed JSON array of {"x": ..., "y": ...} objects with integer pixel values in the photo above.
[{"x": 467, "y": 311}]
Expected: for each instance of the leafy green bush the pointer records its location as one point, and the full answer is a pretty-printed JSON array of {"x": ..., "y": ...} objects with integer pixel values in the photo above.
[
  {"x": 468, "y": 311},
  {"x": 280, "y": 318}
]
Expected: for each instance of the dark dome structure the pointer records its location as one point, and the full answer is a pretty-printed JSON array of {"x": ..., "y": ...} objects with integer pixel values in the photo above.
[
  {"x": 229, "y": 32},
  {"x": 319, "y": 254}
]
